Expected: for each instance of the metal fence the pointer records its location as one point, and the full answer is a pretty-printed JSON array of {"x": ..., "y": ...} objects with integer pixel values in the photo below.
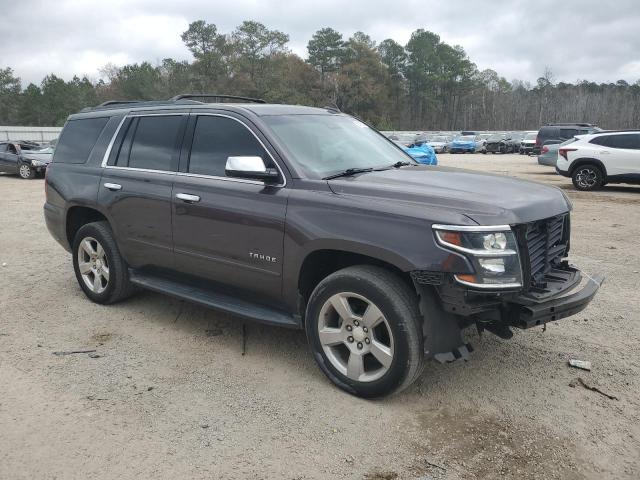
[{"x": 33, "y": 134}]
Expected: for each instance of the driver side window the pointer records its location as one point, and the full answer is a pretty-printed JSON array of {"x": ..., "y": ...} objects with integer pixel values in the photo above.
[{"x": 216, "y": 138}]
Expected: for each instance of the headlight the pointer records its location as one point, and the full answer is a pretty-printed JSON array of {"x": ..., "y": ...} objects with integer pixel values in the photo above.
[{"x": 493, "y": 252}]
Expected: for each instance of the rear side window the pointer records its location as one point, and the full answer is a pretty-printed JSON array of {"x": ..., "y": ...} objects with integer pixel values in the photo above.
[
  {"x": 629, "y": 141},
  {"x": 78, "y": 139},
  {"x": 217, "y": 138},
  {"x": 154, "y": 143}
]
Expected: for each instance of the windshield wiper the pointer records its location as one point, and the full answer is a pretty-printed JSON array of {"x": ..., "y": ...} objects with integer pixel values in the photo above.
[
  {"x": 348, "y": 172},
  {"x": 401, "y": 164}
]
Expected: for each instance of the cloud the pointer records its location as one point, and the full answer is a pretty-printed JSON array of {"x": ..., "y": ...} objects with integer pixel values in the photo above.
[{"x": 518, "y": 38}]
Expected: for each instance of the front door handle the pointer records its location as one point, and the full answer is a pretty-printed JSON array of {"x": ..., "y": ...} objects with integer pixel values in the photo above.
[
  {"x": 187, "y": 197},
  {"x": 113, "y": 186}
]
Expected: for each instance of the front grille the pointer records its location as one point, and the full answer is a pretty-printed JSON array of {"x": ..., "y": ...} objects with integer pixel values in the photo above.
[{"x": 545, "y": 244}]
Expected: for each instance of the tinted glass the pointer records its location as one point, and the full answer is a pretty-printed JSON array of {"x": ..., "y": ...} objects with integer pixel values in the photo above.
[
  {"x": 604, "y": 140},
  {"x": 3, "y": 147},
  {"x": 568, "y": 132},
  {"x": 217, "y": 138},
  {"x": 628, "y": 141},
  {"x": 154, "y": 145},
  {"x": 77, "y": 139}
]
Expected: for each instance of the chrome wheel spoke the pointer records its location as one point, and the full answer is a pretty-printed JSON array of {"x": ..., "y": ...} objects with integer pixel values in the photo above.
[
  {"x": 97, "y": 283},
  {"x": 355, "y": 366},
  {"x": 331, "y": 336},
  {"x": 105, "y": 273},
  {"x": 341, "y": 305},
  {"x": 382, "y": 353},
  {"x": 87, "y": 247},
  {"x": 99, "y": 251},
  {"x": 84, "y": 267},
  {"x": 372, "y": 316}
]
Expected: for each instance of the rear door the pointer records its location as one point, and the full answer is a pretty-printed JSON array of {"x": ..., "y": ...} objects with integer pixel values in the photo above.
[
  {"x": 136, "y": 185},
  {"x": 624, "y": 156},
  {"x": 232, "y": 231}
]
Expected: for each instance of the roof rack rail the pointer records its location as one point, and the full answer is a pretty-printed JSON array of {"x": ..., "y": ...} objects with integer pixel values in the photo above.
[
  {"x": 213, "y": 95},
  {"x": 117, "y": 102},
  {"x": 570, "y": 124}
]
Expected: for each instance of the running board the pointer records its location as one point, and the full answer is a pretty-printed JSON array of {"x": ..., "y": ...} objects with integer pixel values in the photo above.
[{"x": 215, "y": 300}]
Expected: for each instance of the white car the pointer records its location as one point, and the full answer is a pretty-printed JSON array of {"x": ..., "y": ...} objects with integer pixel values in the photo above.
[
  {"x": 439, "y": 143},
  {"x": 592, "y": 161}
]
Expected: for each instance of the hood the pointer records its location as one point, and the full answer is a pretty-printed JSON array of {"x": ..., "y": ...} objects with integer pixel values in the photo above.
[{"x": 485, "y": 198}]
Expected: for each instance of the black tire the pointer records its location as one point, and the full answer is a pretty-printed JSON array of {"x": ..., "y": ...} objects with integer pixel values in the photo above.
[
  {"x": 587, "y": 177},
  {"x": 118, "y": 286},
  {"x": 26, "y": 172},
  {"x": 399, "y": 306}
]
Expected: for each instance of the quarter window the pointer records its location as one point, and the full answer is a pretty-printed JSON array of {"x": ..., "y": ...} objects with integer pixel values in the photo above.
[
  {"x": 154, "y": 144},
  {"x": 77, "y": 139},
  {"x": 217, "y": 138}
]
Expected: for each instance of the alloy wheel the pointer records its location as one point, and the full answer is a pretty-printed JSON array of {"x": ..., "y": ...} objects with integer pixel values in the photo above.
[
  {"x": 25, "y": 171},
  {"x": 93, "y": 265},
  {"x": 355, "y": 337},
  {"x": 587, "y": 177}
]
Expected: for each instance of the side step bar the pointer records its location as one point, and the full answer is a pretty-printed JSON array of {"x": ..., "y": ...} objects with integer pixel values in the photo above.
[{"x": 215, "y": 300}]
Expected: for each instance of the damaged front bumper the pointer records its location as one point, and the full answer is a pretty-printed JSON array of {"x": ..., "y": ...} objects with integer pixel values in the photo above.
[
  {"x": 528, "y": 311},
  {"x": 460, "y": 307}
]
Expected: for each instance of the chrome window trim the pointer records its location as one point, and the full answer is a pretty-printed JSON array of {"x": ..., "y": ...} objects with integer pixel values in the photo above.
[
  {"x": 474, "y": 252},
  {"x": 232, "y": 179},
  {"x": 107, "y": 153},
  {"x": 472, "y": 228},
  {"x": 488, "y": 286}
]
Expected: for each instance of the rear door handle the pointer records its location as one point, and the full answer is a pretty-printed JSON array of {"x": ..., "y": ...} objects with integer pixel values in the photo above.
[
  {"x": 113, "y": 186},
  {"x": 187, "y": 197}
]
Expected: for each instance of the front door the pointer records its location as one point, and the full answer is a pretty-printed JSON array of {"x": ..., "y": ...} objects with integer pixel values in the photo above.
[
  {"x": 228, "y": 230},
  {"x": 136, "y": 185},
  {"x": 8, "y": 158}
]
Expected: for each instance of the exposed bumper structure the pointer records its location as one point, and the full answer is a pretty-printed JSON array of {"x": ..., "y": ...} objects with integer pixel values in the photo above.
[{"x": 527, "y": 312}]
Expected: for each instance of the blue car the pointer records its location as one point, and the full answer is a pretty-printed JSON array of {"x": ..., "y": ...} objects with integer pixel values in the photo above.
[
  {"x": 423, "y": 153},
  {"x": 464, "y": 144}
]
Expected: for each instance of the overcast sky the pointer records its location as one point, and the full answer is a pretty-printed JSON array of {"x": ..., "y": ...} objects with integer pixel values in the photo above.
[{"x": 589, "y": 39}]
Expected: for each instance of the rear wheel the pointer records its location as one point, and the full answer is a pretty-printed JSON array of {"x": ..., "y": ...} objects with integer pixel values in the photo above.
[
  {"x": 100, "y": 269},
  {"x": 587, "y": 177},
  {"x": 26, "y": 171},
  {"x": 364, "y": 327}
]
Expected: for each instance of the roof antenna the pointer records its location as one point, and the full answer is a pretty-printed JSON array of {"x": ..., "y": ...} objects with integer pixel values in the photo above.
[{"x": 333, "y": 108}]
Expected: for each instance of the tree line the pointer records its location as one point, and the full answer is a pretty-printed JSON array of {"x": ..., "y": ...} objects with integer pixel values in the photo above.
[{"x": 423, "y": 85}]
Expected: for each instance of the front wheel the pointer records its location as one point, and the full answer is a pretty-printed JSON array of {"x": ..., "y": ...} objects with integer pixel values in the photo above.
[
  {"x": 364, "y": 327},
  {"x": 587, "y": 177},
  {"x": 26, "y": 172}
]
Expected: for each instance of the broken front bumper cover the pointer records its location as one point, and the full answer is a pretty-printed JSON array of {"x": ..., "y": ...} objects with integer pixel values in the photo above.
[{"x": 528, "y": 311}]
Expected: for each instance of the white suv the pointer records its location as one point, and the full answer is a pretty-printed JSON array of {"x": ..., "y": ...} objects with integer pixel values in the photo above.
[{"x": 592, "y": 161}]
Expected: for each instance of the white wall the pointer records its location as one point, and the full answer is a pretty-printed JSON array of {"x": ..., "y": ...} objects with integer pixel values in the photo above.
[{"x": 35, "y": 134}]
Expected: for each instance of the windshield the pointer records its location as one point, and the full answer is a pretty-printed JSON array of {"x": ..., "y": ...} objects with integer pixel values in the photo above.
[
  {"x": 531, "y": 136},
  {"x": 323, "y": 145},
  {"x": 439, "y": 139},
  {"x": 497, "y": 137},
  {"x": 466, "y": 138}
]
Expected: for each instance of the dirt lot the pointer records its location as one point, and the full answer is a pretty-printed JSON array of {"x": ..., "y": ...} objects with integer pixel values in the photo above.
[{"x": 171, "y": 395}]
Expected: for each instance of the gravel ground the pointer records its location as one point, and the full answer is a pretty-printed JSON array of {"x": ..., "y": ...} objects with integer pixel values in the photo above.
[{"x": 172, "y": 396}]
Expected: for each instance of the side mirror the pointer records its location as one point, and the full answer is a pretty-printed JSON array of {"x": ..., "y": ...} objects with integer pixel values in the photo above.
[{"x": 251, "y": 168}]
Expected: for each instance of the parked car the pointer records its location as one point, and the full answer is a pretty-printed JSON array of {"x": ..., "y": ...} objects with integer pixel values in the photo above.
[
  {"x": 594, "y": 160},
  {"x": 25, "y": 159},
  {"x": 482, "y": 142},
  {"x": 513, "y": 141},
  {"x": 549, "y": 154},
  {"x": 423, "y": 154},
  {"x": 308, "y": 218},
  {"x": 464, "y": 144},
  {"x": 528, "y": 143},
  {"x": 497, "y": 143},
  {"x": 561, "y": 132},
  {"x": 440, "y": 143}
]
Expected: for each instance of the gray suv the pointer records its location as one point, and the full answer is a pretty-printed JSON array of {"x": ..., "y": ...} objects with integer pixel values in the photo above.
[{"x": 308, "y": 218}]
